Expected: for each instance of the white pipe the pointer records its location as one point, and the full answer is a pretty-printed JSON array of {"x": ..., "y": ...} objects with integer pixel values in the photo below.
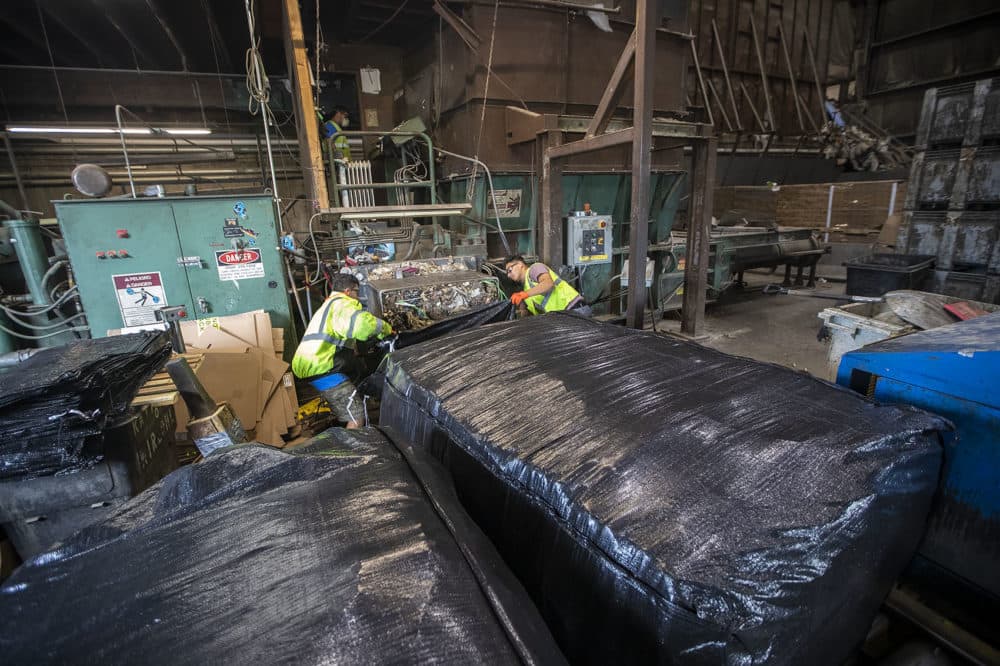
[
  {"x": 892, "y": 197},
  {"x": 829, "y": 215}
]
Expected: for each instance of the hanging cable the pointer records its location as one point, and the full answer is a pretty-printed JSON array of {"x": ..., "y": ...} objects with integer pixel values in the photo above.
[
  {"x": 489, "y": 179},
  {"x": 63, "y": 321},
  {"x": 259, "y": 88},
  {"x": 74, "y": 329},
  {"x": 471, "y": 188},
  {"x": 385, "y": 22},
  {"x": 319, "y": 51},
  {"x": 55, "y": 74}
]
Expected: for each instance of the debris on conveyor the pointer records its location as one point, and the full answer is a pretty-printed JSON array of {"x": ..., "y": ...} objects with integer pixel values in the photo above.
[
  {"x": 404, "y": 269},
  {"x": 348, "y": 550},
  {"x": 61, "y": 397},
  {"x": 664, "y": 502},
  {"x": 417, "y": 302}
]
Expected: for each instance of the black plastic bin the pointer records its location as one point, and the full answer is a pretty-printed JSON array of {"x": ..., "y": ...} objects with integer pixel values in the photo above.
[{"x": 877, "y": 274}]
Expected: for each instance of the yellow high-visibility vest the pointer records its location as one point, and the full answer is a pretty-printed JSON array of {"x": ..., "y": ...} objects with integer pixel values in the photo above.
[
  {"x": 335, "y": 327},
  {"x": 558, "y": 298}
]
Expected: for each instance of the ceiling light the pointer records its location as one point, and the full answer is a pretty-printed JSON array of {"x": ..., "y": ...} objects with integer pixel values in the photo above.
[
  {"x": 180, "y": 131},
  {"x": 413, "y": 212}
]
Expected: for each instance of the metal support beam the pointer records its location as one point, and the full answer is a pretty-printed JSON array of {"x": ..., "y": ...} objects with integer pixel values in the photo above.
[
  {"x": 699, "y": 232},
  {"x": 765, "y": 88},
  {"x": 615, "y": 89},
  {"x": 701, "y": 83},
  {"x": 305, "y": 112},
  {"x": 464, "y": 30},
  {"x": 820, "y": 97},
  {"x": 642, "y": 143},
  {"x": 725, "y": 71},
  {"x": 601, "y": 142},
  {"x": 550, "y": 233}
]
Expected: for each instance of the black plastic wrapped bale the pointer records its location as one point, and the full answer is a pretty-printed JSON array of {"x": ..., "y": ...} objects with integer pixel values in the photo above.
[
  {"x": 342, "y": 551},
  {"x": 667, "y": 503},
  {"x": 135, "y": 452},
  {"x": 53, "y": 402}
]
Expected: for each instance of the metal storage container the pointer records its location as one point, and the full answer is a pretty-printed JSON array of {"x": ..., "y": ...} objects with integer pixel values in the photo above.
[{"x": 415, "y": 302}]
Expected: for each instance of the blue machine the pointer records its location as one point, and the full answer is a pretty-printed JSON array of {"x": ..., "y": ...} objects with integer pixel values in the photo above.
[{"x": 953, "y": 371}]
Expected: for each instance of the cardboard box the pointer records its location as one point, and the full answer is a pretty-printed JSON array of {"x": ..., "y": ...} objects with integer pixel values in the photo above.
[
  {"x": 239, "y": 363},
  {"x": 250, "y": 329}
]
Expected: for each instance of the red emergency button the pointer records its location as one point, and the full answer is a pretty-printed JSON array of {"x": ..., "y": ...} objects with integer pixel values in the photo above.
[
  {"x": 112, "y": 254},
  {"x": 122, "y": 233},
  {"x": 122, "y": 253},
  {"x": 100, "y": 255},
  {"x": 183, "y": 313}
]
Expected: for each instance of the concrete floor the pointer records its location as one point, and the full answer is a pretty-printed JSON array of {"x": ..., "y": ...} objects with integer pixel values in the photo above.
[{"x": 778, "y": 329}]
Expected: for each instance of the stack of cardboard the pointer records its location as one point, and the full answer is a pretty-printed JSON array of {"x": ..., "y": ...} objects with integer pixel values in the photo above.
[{"x": 240, "y": 363}]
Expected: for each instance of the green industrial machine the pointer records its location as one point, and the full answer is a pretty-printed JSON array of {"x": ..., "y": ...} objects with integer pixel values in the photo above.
[
  {"x": 732, "y": 249},
  {"x": 216, "y": 255}
]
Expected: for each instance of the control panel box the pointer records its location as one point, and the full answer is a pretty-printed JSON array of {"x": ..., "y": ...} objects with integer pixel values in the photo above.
[
  {"x": 588, "y": 239},
  {"x": 215, "y": 255}
]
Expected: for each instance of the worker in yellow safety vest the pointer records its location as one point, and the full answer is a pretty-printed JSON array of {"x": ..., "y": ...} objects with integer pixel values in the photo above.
[
  {"x": 544, "y": 291},
  {"x": 328, "y": 354},
  {"x": 333, "y": 129}
]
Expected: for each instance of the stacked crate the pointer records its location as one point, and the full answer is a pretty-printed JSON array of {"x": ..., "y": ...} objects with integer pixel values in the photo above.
[{"x": 953, "y": 202}]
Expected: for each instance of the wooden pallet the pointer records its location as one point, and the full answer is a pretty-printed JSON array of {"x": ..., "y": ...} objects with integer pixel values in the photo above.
[{"x": 160, "y": 389}]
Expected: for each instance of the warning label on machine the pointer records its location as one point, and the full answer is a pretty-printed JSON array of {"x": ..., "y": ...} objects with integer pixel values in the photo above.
[
  {"x": 239, "y": 264},
  {"x": 140, "y": 295},
  {"x": 508, "y": 203}
]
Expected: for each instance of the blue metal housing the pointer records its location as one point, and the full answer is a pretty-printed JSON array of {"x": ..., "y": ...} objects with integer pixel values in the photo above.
[{"x": 953, "y": 371}]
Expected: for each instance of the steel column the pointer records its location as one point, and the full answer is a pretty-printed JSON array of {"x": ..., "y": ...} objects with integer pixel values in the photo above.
[
  {"x": 646, "y": 20},
  {"x": 550, "y": 233},
  {"x": 699, "y": 231}
]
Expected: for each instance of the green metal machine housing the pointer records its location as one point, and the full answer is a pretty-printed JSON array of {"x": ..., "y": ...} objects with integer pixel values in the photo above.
[{"x": 217, "y": 255}]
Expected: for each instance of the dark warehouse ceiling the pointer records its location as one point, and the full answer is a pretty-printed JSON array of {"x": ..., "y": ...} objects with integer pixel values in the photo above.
[{"x": 186, "y": 35}]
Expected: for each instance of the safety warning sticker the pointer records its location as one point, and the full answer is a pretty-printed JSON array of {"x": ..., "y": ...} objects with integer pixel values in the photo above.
[
  {"x": 140, "y": 295},
  {"x": 508, "y": 203},
  {"x": 239, "y": 264}
]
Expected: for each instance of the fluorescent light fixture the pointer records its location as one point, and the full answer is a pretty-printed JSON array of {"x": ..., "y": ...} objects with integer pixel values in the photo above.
[
  {"x": 416, "y": 212},
  {"x": 178, "y": 131}
]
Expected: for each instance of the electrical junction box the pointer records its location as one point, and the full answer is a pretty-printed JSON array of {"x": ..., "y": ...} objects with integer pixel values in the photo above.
[
  {"x": 216, "y": 255},
  {"x": 588, "y": 239}
]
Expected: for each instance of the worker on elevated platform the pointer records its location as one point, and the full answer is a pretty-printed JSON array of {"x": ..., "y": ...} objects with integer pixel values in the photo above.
[
  {"x": 544, "y": 291},
  {"x": 328, "y": 355},
  {"x": 333, "y": 129}
]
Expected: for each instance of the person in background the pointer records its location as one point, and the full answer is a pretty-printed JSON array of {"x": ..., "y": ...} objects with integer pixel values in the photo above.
[
  {"x": 333, "y": 128},
  {"x": 328, "y": 354},
  {"x": 543, "y": 290}
]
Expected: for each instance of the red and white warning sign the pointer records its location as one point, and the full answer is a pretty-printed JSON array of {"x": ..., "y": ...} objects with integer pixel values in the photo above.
[
  {"x": 239, "y": 264},
  {"x": 140, "y": 295}
]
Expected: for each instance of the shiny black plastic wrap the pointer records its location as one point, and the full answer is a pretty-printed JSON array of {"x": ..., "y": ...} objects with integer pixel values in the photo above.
[
  {"x": 485, "y": 314},
  {"x": 348, "y": 550},
  {"x": 52, "y": 404},
  {"x": 667, "y": 503}
]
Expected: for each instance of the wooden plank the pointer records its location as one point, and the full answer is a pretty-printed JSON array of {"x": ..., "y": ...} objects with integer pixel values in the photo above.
[{"x": 313, "y": 172}]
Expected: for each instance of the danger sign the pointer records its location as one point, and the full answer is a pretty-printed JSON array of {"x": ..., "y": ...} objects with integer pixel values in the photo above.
[
  {"x": 239, "y": 264},
  {"x": 140, "y": 295}
]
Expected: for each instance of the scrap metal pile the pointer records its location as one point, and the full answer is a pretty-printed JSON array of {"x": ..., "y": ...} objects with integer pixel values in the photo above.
[
  {"x": 414, "y": 303},
  {"x": 859, "y": 150},
  {"x": 405, "y": 269}
]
